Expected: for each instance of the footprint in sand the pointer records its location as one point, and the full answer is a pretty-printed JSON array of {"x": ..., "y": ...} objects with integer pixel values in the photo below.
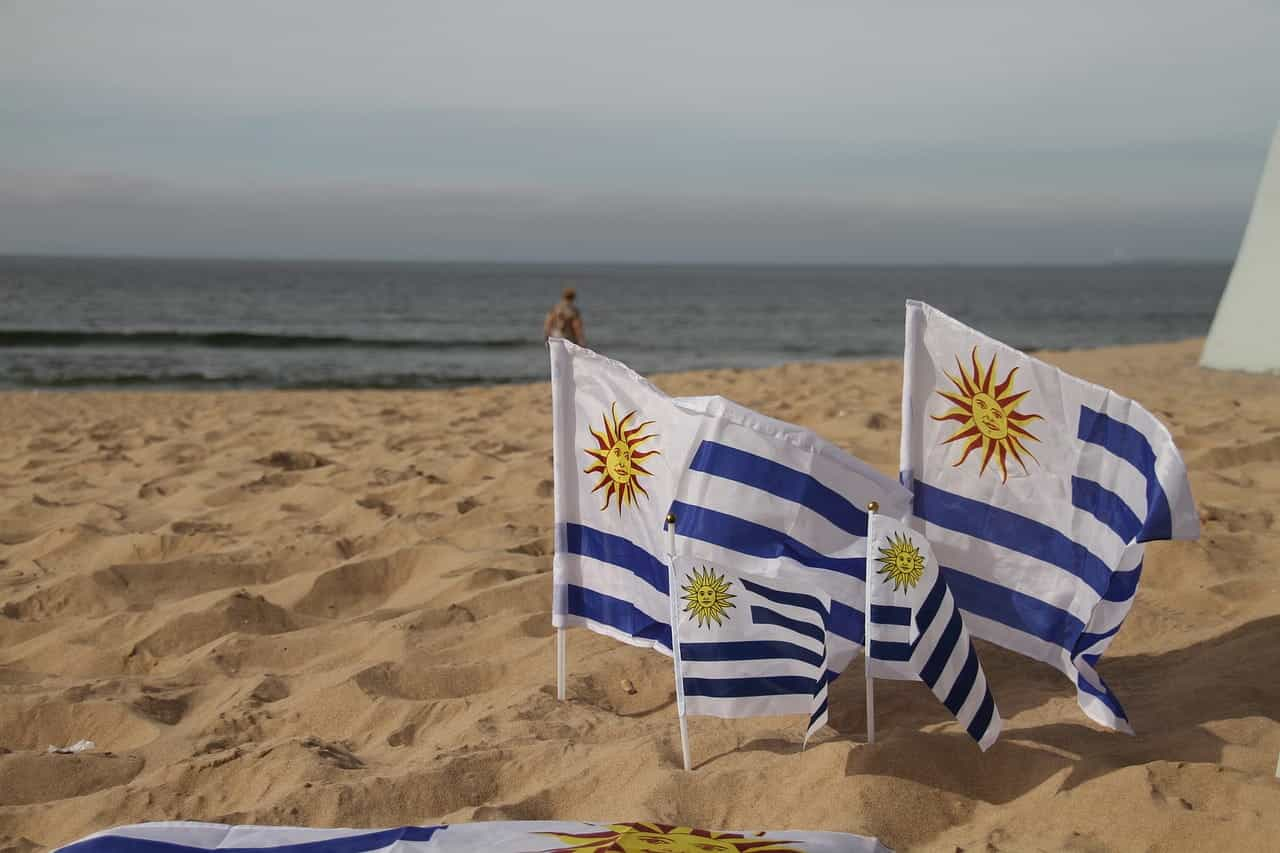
[
  {"x": 487, "y": 577},
  {"x": 360, "y": 587},
  {"x": 336, "y": 754},
  {"x": 1245, "y": 454},
  {"x": 538, "y": 626},
  {"x": 533, "y": 548},
  {"x": 166, "y": 710},
  {"x": 271, "y": 689},
  {"x": 189, "y": 528},
  {"x": 294, "y": 460},
  {"x": 48, "y": 776},
  {"x": 403, "y": 736},
  {"x": 241, "y": 612},
  {"x": 372, "y": 502},
  {"x": 418, "y": 681}
]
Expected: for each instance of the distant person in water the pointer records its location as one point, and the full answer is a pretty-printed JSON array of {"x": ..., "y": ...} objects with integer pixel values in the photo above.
[{"x": 565, "y": 320}]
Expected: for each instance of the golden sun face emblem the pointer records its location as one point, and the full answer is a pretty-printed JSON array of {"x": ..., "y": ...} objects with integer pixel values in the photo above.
[
  {"x": 988, "y": 415},
  {"x": 661, "y": 838},
  {"x": 707, "y": 597},
  {"x": 901, "y": 563},
  {"x": 618, "y": 457}
]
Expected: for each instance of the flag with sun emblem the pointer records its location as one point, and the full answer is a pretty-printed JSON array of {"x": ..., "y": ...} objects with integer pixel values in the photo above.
[
  {"x": 769, "y": 497},
  {"x": 914, "y": 621},
  {"x": 619, "y": 445},
  {"x": 1036, "y": 491},
  {"x": 490, "y": 836},
  {"x": 752, "y": 645}
]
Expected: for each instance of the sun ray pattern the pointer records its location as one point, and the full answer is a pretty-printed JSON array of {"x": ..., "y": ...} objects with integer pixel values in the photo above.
[
  {"x": 662, "y": 838},
  {"x": 707, "y": 597},
  {"x": 988, "y": 416},
  {"x": 901, "y": 563},
  {"x": 618, "y": 458}
]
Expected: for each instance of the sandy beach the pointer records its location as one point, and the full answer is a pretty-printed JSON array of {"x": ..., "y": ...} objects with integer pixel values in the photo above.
[{"x": 333, "y": 609}]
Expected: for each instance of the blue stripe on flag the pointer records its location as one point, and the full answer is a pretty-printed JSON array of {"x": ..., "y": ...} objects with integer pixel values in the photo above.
[
  {"x": 792, "y": 599},
  {"x": 731, "y": 463},
  {"x": 978, "y": 725},
  {"x": 616, "y": 613},
  {"x": 1124, "y": 585},
  {"x": 749, "y": 650},
  {"x": 929, "y": 608},
  {"x": 732, "y": 688},
  {"x": 847, "y": 622},
  {"x": 350, "y": 844},
  {"x": 1106, "y": 506},
  {"x": 817, "y": 714},
  {"x": 1104, "y": 693},
  {"x": 964, "y": 683},
  {"x": 1087, "y": 640},
  {"x": 932, "y": 670},
  {"x": 747, "y": 537},
  {"x": 765, "y": 616},
  {"x": 1010, "y": 530},
  {"x": 607, "y": 548},
  {"x": 1016, "y": 609},
  {"x": 941, "y": 653},
  {"x": 1129, "y": 444},
  {"x": 885, "y": 650},
  {"x": 888, "y": 614}
]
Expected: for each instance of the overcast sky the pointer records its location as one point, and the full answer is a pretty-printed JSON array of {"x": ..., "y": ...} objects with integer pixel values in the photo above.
[{"x": 598, "y": 130}]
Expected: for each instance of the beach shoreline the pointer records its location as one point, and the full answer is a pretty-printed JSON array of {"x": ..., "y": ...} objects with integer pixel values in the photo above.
[{"x": 332, "y": 608}]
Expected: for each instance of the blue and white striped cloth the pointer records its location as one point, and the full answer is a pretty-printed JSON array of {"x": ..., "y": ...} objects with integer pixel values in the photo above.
[
  {"x": 610, "y": 566},
  {"x": 751, "y": 646},
  {"x": 915, "y": 623},
  {"x": 1036, "y": 490},
  {"x": 498, "y": 836},
  {"x": 766, "y": 497}
]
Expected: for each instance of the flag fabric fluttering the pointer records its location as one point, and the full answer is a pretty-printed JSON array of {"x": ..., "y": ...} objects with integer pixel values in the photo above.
[
  {"x": 620, "y": 445},
  {"x": 1036, "y": 491},
  {"x": 498, "y": 836},
  {"x": 913, "y": 620},
  {"x": 766, "y": 502},
  {"x": 751, "y": 645},
  {"x": 771, "y": 498}
]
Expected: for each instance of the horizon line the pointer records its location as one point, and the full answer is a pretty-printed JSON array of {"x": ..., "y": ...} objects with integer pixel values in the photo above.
[{"x": 127, "y": 256}]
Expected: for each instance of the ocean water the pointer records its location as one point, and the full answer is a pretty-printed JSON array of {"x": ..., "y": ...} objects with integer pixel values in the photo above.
[{"x": 113, "y": 323}]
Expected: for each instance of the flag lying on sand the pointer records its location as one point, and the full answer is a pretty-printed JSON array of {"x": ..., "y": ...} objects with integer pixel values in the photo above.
[
  {"x": 751, "y": 645},
  {"x": 1036, "y": 491},
  {"x": 520, "y": 836},
  {"x": 771, "y": 498},
  {"x": 620, "y": 445},
  {"x": 914, "y": 620}
]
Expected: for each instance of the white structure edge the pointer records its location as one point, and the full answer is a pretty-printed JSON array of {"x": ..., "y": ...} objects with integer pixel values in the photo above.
[{"x": 1243, "y": 335}]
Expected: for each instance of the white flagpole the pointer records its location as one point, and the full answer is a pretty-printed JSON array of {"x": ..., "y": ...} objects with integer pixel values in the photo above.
[
  {"x": 560, "y": 664},
  {"x": 675, "y": 636},
  {"x": 872, "y": 508}
]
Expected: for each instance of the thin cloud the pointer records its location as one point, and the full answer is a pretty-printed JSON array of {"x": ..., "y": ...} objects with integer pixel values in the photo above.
[{"x": 510, "y": 130}]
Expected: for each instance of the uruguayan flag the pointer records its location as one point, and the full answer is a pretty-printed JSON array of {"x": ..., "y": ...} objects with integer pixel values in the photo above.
[
  {"x": 769, "y": 497},
  {"x": 914, "y": 621},
  {"x": 751, "y": 645},
  {"x": 620, "y": 445},
  {"x": 1036, "y": 490},
  {"x": 498, "y": 836}
]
